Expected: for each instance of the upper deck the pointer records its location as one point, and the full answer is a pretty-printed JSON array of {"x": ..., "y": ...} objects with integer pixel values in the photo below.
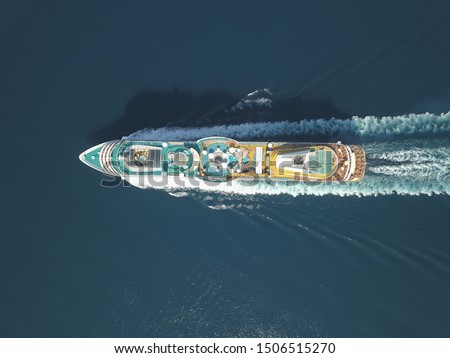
[{"x": 223, "y": 159}]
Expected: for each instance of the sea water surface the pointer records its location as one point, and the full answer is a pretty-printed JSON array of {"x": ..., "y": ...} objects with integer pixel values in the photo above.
[{"x": 366, "y": 260}]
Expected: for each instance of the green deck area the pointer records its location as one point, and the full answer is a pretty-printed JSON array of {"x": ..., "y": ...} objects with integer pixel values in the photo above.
[
  {"x": 92, "y": 157},
  {"x": 320, "y": 162}
]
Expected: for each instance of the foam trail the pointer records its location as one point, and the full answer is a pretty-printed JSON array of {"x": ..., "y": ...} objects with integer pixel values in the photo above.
[
  {"x": 367, "y": 128},
  {"x": 417, "y": 151},
  {"x": 425, "y": 171}
]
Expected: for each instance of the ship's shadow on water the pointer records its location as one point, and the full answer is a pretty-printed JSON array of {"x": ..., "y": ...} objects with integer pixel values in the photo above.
[{"x": 155, "y": 109}]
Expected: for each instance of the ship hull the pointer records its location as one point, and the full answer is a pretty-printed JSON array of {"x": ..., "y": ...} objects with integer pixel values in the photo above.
[{"x": 216, "y": 160}]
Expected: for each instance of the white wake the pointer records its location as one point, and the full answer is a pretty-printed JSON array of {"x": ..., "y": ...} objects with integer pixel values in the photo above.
[{"x": 368, "y": 128}]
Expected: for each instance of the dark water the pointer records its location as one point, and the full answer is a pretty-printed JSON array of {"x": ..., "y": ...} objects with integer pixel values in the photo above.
[{"x": 80, "y": 260}]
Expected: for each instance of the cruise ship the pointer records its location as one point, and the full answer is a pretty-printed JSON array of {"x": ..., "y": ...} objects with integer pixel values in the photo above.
[{"x": 214, "y": 160}]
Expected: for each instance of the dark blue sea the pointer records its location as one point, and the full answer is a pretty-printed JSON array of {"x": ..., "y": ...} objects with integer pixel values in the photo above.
[{"x": 81, "y": 259}]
